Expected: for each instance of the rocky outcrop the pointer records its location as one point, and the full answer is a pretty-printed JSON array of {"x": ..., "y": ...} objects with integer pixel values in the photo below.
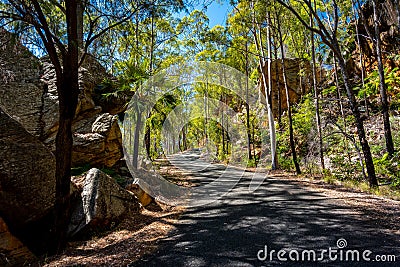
[
  {"x": 21, "y": 89},
  {"x": 29, "y": 94},
  {"x": 298, "y": 85},
  {"x": 102, "y": 203},
  {"x": 12, "y": 251},
  {"x": 27, "y": 175},
  {"x": 388, "y": 28}
]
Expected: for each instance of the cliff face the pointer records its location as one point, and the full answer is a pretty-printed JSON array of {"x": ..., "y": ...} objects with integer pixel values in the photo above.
[
  {"x": 389, "y": 27},
  {"x": 299, "y": 80}
]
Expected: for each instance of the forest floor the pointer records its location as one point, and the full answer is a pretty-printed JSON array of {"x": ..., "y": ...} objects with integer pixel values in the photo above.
[{"x": 281, "y": 209}]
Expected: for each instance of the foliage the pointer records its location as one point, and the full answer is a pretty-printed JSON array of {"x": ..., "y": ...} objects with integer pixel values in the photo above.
[
  {"x": 303, "y": 122},
  {"x": 392, "y": 80}
]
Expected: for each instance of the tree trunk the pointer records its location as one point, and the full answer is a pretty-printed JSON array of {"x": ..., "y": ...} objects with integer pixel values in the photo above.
[
  {"x": 291, "y": 137},
  {"x": 278, "y": 88},
  {"x": 79, "y": 19},
  {"x": 136, "y": 137},
  {"x": 316, "y": 100},
  {"x": 68, "y": 91},
  {"x": 382, "y": 85},
  {"x": 271, "y": 120},
  {"x": 361, "y": 58},
  {"x": 184, "y": 138},
  {"x": 147, "y": 138},
  {"x": 359, "y": 123},
  {"x": 249, "y": 141}
]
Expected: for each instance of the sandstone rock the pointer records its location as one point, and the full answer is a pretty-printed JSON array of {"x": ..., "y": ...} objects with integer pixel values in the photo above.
[
  {"x": 27, "y": 174},
  {"x": 29, "y": 95},
  {"x": 298, "y": 85},
  {"x": 21, "y": 90},
  {"x": 12, "y": 251},
  {"x": 388, "y": 27},
  {"x": 102, "y": 202},
  {"x": 102, "y": 146},
  {"x": 144, "y": 198}
]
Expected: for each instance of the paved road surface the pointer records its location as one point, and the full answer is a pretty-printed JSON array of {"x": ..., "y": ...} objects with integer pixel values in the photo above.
[{"x": 279, "y": 215}]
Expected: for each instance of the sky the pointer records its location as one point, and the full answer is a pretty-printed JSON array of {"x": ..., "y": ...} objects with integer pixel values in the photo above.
[{"x": 218, "y": 11}]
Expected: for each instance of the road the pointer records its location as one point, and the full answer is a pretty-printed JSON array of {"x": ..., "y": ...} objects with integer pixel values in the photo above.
[{"x": 243, "y": 228}]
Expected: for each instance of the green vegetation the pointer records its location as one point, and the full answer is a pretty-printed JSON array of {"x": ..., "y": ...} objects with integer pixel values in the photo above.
[{"x": 337, "y": 119}]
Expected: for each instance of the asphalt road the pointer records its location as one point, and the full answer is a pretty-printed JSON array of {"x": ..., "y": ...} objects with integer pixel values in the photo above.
[{"x": 282, "y": 223}]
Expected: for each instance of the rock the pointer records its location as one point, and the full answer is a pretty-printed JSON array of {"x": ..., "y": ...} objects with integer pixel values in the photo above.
[
  {"x": 297, "y": 85},
  {"x": 27, "y": 175},
  {"x": 21, "y": 90},
  {"x": 144, "y": 198},
  {"x": 388, "y": 27},
  {"x": 102, "y": 203},
  {"x": 29, "y": 95},
  {"x": 102, "y": 146},
  {"x": 12, "y": 251}
]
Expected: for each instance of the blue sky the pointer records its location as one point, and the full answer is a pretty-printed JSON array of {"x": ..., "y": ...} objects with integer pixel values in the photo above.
[{"x": 218, "y": 12}]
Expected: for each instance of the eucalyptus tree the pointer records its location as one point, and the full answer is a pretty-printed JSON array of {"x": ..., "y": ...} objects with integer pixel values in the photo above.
[
  {"x": 327, "y": 18},
  {"x": 289, "y": 108},
  {"x": 382, "y": 83}
]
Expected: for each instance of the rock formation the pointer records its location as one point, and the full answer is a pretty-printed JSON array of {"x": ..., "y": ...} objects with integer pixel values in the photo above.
[
  {"x": 29, "y": 94},
  {"x": 29, "y": 123},
  {"x": 298, "y": 76},
  {"x": 389, "y": 29},
  {"x": 27, "y": 175}
]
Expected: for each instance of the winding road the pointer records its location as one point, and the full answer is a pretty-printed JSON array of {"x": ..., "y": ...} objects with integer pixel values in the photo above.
[{"x": 282, "y": 223}]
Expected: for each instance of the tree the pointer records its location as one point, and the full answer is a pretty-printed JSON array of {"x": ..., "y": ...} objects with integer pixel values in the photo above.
[
  {"x": 382, "y": 84},
  {"x": 316, "y": 97},
  {"x": 289, "y": 108},
  {"x": 66, "y": 57},
  {"x": 330, "y": 38},
  {"x": 266, "y": 78}
]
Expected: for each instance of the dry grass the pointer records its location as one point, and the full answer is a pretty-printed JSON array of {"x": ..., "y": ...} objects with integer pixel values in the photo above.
[{"x": 136, "y": 236}]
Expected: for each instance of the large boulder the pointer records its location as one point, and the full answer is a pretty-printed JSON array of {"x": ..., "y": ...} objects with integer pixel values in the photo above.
[
  {"x": 21, "y": 89},
  {"x": 102, "y": 145},
  {"x": 27, "y": 175},
  {"x": 29, "y": 94},
  {"x": 101, "y": 203},
  {"x": 12, "y": 251}
]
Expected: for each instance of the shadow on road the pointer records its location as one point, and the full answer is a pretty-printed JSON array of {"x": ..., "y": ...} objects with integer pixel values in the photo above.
[{"x": 280, "y": 214}]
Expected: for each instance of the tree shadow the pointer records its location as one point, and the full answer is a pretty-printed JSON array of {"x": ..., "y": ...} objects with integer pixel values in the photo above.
[{"x": 280, "y": 214}]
